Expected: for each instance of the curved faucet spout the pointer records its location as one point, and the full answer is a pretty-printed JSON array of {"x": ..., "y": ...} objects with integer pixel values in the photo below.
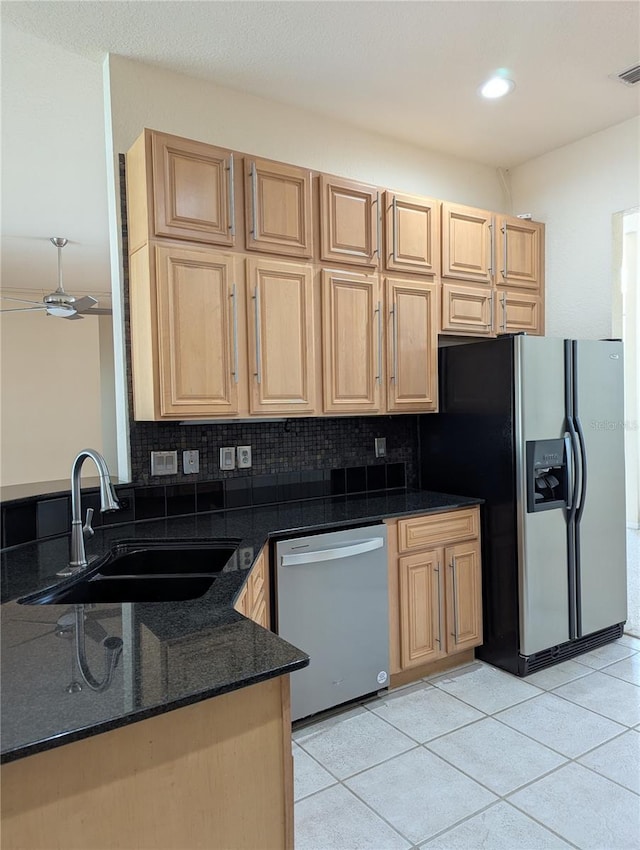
[
  {"x": 112, "y": 652},
  {"x": 108, "y": 502}
]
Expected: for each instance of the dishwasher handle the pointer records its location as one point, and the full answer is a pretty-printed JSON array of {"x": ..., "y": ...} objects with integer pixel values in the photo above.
[{"x": 315, "y": 555}]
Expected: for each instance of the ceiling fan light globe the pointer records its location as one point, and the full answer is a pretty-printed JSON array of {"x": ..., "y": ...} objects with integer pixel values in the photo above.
[{"x": 60, "y": 310}]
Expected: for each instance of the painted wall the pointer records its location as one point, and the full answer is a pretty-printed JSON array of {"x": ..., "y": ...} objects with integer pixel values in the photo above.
[
  {"x": 53, "y": 396},
  {"x": 50, "y": 389},
  {"x": 146, "y": 96},
  {"x": 576, "y": 190}
]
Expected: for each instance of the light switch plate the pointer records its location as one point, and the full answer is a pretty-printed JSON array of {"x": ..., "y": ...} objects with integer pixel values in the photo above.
[
  {"x": 190, "y": 462},
  {"x": 228, "y": 457},
  {"x": 164, "y": 463},
  {"x": 380, "y": 446}
]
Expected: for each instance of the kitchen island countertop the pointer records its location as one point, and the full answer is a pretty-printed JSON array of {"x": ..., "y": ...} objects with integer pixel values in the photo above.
[{"x": 220, "y": 650}]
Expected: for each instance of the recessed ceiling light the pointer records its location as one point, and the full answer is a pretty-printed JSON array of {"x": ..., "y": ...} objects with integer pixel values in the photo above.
[{"x": 496, "y": 87}]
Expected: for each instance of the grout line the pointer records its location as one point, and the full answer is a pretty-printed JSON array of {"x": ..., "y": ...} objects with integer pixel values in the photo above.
[
  {"x": 573, "y": 702},
  {"x": 542, "y": 823}
]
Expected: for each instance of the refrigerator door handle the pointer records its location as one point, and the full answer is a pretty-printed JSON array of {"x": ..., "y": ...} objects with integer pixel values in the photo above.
[
  {"x": 583, "y": 469},
  {"x": 571, "y": 472},
  {"x": 576, "y": 471}
]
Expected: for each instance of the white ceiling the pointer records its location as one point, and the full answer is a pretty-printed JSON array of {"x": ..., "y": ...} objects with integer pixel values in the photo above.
[{"x": 405, "y": 69}]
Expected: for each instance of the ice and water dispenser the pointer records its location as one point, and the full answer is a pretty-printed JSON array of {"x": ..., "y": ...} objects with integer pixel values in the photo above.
[{"x": 547, "y": 475}]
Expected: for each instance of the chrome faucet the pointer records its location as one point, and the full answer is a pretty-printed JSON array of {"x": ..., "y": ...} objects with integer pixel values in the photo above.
[{"x": 108, "y": 502}]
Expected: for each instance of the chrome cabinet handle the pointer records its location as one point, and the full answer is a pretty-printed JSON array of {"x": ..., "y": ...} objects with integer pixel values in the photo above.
[
  {"x": 504, "y": 246},
  {"x": 394, "y": 319},
  {"x": 439, "y": 638},
  {"x": 234, "y": 301},
  {"x": 254, "y": 199},
  {"x": 503, "y": 301},
  {"x": 378, "y": 225},
  {"x": 232, "y": 199},
  {"x": 395, "y": 228},
  {"x": 455, "y": 598},
  {"x": 378, "y": 310},
  {"x": 491, "y": 249},
  {"x": 256, "y": 299}
]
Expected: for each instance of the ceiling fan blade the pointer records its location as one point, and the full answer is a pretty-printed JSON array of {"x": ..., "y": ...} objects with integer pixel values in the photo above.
[
  {"x": 98, "y": 311},
  {"x": 20, "y": 300},
  {"x": 85, "y": 303},
  {"x": 23, "y": 309}
]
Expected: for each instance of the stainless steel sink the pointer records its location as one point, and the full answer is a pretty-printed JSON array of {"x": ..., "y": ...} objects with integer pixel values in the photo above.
[{"x": 147, "y": 571}]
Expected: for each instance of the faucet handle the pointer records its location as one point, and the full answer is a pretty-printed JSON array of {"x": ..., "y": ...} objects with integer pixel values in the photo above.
[{"x": 87, "y": 530}]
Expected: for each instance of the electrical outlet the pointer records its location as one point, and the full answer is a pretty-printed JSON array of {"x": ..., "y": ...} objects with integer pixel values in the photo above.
[
  {"x": 228, "y": 457},
  {"x": 164, "y": 463},
  {"x": 190, "y": 462},
  {"x": 380, "y": 444},
  {"x": 243, "y": 453},
  {"x": 245, "y": 557}
]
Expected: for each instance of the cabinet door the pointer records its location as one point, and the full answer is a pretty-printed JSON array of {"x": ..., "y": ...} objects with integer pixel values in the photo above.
[
  {"x": 421, "y": 608},
  {"x": 467, "y": 249},
  {"x": 193, "y": 195},
  {"x": 197, "y": 340},
  {"x": 467, "y": 310},
  {"x": 464, "y": 596},
  {"x": 349, "y": 221},
  {"x": 520, "y": 254},
  {"x": 412, "y": 360},
  {"x": 519, "y": 311},
  {"x": 352, "y": 342},
  {"x": 281, "y": 337},
  {"x": 278, "y": 207},
  {"x": 412, "y": 232}
]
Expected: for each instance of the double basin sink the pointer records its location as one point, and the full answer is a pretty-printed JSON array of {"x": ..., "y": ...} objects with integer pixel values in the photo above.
[{"x": 149, "y": 571}]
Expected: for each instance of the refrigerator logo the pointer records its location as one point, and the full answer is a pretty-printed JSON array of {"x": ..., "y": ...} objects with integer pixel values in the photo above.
[
  {"x": 550, "y": 458},
  {"x": 611, "y": 425}
]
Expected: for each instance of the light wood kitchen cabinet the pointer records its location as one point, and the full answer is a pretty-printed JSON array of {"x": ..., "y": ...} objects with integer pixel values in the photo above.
[
  {"x": 467, "y": 243},
  {"x": 422, "y": 615},
  {"x": 184, "y": 319},
  {"x": 518, "y": 311},
  {"x": 278, "y": 208},
  {"x": 254, "y": 599},
  {"x": 180, "y": 189},
  {"x": 435, "y": 591},
  {"x": 412, "y": 345},
  {"x": 349, "y": 221},
  {"x": 519, "y": 254},
  {"x": 280, "y": 330},
  {"x": 412, "y": 234},
  {"x": 467, "y": 310},
  {"x": 352, "y": 335}
]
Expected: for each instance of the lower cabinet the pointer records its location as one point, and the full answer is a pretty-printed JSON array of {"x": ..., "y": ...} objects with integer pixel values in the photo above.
[
  {"x": 435, "y": 587},
  {"x": 253, "y": 600}
]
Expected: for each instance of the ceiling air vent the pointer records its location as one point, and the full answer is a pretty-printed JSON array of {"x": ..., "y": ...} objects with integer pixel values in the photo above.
[{"x": 630, "y": 76}]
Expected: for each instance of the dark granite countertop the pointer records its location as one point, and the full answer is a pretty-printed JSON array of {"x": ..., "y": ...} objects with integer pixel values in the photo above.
[{"x": 174, "y": 653}]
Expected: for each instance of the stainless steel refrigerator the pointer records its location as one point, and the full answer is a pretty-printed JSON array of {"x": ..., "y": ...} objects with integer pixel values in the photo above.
[{"x": 535, "y": 426}]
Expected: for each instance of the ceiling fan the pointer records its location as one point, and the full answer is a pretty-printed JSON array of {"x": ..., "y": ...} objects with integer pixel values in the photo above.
[{"x": 60, "y": 303}]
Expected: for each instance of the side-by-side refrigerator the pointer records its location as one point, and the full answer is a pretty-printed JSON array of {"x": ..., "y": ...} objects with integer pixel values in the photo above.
[{"x": 535, "y": 426}]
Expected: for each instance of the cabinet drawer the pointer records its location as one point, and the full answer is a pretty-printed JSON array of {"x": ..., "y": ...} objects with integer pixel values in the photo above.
[{"x": 436, "y": 529}]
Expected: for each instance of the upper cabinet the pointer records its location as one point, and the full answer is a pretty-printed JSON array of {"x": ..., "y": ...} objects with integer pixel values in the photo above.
[
  {"x": 412, "y": 234},
  {"x": 352, "y": 329},
  {"x": 467, "y": 250},
  {"x": 519, "y": 253},
  {"x": 280, "y": 330},
  {"x": 412, "y": 345},
  {"x": 349, "y": 222},
  {"x": 278, "y": 208},
  {"x": 180, "y": 189},
  {"x": 184, "y": 320}
]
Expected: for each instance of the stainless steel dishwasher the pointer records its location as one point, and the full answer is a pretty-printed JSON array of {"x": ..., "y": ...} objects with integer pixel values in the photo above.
[{"x": 333, "y": 604}]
